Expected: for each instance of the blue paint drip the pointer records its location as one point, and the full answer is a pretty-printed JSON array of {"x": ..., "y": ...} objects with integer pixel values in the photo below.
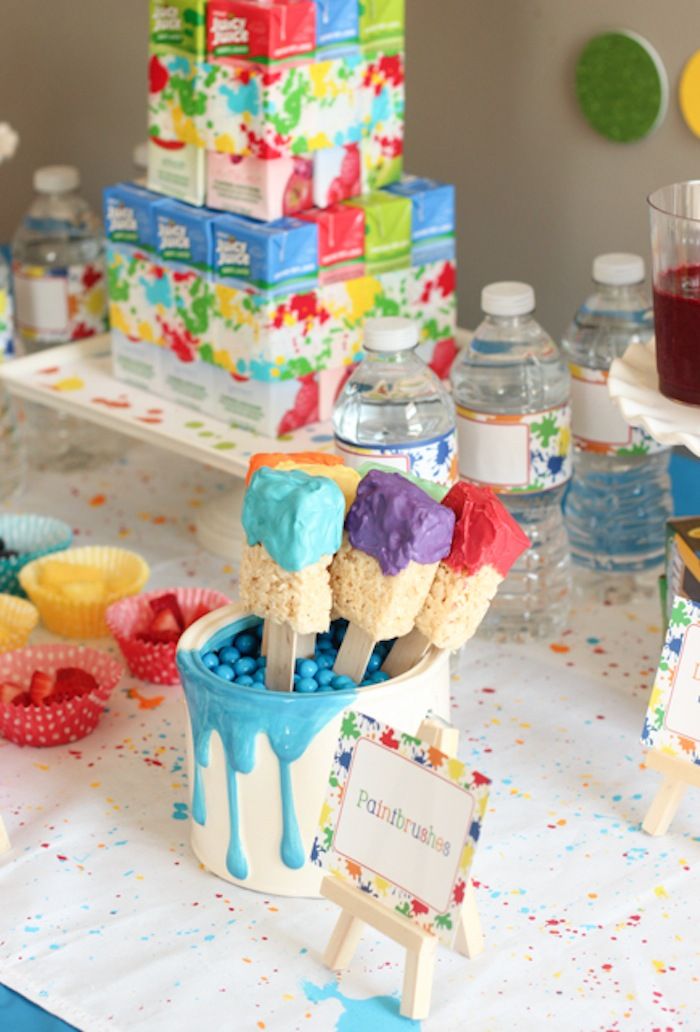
[
  {"x": 239, "y": 714},
  {"x": 378, "y": 1013},
  {"x": 291, "y": 849}
]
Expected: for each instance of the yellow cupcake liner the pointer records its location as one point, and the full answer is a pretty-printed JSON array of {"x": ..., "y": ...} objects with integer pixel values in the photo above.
[
  {"x": 18, "y": 618},
  {"x": 81, "y": 617}
]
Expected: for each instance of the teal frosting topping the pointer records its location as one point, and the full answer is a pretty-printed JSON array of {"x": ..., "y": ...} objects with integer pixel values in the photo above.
[
  {"x": 436, "y": 491},
  {"x": 296, "y": 517}
]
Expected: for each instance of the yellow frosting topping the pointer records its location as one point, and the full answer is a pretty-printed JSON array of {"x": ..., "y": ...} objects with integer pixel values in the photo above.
[{"x": 345, "y": 477}]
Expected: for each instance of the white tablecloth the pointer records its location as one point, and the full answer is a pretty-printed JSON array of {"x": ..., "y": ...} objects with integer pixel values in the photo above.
[{"x": 108, "y": 921}]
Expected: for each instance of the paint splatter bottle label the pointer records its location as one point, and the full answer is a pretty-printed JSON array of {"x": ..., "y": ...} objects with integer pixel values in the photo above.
[
  {"x": 434, "y": 460},
  {"x": 597, "y": 423},
  {"x": 518, "y": 453}
]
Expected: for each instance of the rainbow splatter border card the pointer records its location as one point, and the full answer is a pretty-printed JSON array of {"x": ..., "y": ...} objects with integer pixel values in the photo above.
[
  {"x": 401, "y": 822},
  {"x": 672, "y": 723}
]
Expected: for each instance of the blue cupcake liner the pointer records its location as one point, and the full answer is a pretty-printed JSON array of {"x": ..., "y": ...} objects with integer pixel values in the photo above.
[{"x": 32, "y": 537}]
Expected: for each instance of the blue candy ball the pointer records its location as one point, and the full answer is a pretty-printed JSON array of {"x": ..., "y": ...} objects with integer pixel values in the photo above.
[
  {"x": 259, "y": 677},
  {"x": 379, "y": 676},
  {"x": 246, "y": 643},
  {"x": 306, "y": 684},
  {"x": 342, "y": 681},
  {"x": 244, "y": 679},
  {"x": 225, "y": 671},
  {"x": 375, "y": 661},
  {"x": 210, "y": 660},
  {"x": 325, "y": 662},
  {"x": 245, "y": 665},
  {"x": 228, "y": 655},
  {"x": 262, "y": 662},
  {"x": 308, "y": 668},
  {"x": 325, "y": 677}
]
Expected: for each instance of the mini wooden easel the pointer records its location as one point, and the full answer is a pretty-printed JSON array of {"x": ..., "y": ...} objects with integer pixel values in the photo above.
[
  {"x": 677, "y": 775},
  {"x": 4, "y": 838},
  {"x": 359, "y": 909}
]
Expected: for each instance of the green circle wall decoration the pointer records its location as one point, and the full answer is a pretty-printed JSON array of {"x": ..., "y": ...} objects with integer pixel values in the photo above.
[{"x": 621, "y": 86}]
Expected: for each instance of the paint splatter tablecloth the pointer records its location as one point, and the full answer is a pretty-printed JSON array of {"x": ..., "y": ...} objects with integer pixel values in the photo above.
[{"x": 109, "y": 922}]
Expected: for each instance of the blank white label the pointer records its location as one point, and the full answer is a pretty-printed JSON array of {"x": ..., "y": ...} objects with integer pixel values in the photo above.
[
  {"x": 683, "y": 713},
  {"x": 41, "y": 304},
  {"x": 415, "y": 796},
  {"x": 595, "y": 416},
  {"x": 494, "y": 453}
]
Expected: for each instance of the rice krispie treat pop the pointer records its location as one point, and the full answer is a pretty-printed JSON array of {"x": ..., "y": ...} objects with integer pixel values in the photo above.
[
  {"x": 486, "y": 543},
  {"x": 396, "y": 536},
  {"x": 293, "y": 524}
]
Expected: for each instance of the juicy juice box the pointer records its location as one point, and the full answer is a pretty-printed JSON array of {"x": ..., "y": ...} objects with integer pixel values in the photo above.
[
  {"x": 341, "y": 241},
  {"x": 139, "y": 292},
  {"x": 184, "y": 240},
  {"x": 382, "y": 104},
  {"x": 433, "y": 217},
  {"x": 259, "y": 188},
  {"x": 337, "y": 175},
  {"x": 177, "y": 170},
  {"x": 381, "y": 19},
  {"x": 265, "y": 256},
  {"x": 387, "y": 230},
  {"x": 177, "y": 101},
  {"x": 178, "y": 27},
  {"x": 271, "y": 112},
  {"x": 337, "y": 22},
  {"x": 261, "y": 30}
]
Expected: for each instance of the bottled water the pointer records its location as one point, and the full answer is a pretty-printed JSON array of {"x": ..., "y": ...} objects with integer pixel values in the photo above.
[
  {"x": 619, "y": 501},
  {"x": 394, "y": 409},
  {"x": 511, "y": 388},
  {"x": 11, "y": 448},
  {"x": 59, "y": 288}
]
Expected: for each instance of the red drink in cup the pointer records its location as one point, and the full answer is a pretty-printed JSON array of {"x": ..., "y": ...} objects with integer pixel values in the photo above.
[{"x": 675, "y": 241}]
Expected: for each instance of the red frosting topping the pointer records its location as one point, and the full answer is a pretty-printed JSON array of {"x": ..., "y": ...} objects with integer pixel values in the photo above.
[{"x": 485, "y": 533}]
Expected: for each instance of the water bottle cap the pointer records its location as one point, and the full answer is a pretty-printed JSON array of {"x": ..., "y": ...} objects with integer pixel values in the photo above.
[
  {"x": 618, "y": 270},
  {"x": 508, "y": 299},
  {"x": 140, "y": 155},
  {"x": 56, "y": 179},
  {"x": 390, "y": 334}
]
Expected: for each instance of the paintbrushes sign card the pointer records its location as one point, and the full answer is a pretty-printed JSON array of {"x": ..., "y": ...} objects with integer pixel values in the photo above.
[
  {"x": 401, "y": 821},
  {"x": 672, "y": 723}
]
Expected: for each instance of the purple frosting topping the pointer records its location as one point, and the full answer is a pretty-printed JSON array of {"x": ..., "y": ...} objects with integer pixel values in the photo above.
[{"x": 395, "y": 522}]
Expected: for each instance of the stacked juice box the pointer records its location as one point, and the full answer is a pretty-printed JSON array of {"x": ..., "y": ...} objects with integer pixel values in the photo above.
[
  {"x": 286, "y": 118},
  {"x": 267, "y": 107},
  {"x": 259, "y": 323}
]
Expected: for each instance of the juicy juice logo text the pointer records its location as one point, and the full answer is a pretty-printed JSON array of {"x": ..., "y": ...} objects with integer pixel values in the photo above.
[
  {"x": 121, "y": 219},
  {"x": 228, "y": 32},
  {"x": 232, "y": 252},
  {"x": 166, "y": 19},
  {"x": 172, "y": 237},
  {"x": 398, "y": 819}
]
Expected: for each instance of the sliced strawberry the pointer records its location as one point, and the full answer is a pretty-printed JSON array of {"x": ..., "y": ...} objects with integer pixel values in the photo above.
[
  {"x": 72, "y": 681},
  {"x": 165, "y": 637},
  {"x": 9, "y": 691},
  {"x": 166, "y": 603},
  {"x": 40, "y": 687},
  {"x": 23, "y": 699}
]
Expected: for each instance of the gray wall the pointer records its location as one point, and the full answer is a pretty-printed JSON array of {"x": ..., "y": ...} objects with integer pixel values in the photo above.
[{"x": 490, "y": 107}]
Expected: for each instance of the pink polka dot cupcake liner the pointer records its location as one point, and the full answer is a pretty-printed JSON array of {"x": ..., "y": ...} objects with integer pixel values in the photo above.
[
  {"x": 55, "y": 723},
  {"x": 155, "y": 661}
]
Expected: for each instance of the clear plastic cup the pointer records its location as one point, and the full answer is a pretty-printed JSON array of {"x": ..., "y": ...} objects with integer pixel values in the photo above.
[{"x": 675, "y": 252}]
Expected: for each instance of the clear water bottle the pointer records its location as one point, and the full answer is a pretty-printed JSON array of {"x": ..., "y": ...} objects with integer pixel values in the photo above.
[
  {"x": 11, "y": 447},
  {"x": 620, "y": 499},
  {"x": 511, "y": 388},
  {"x": 394, "y": 409},
  {"x": 59, "y": 289}
]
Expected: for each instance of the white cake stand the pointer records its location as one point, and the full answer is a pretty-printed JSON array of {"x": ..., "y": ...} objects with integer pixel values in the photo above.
[
  {"x": 77, "y": 379},
  {"x": 634, "y": 384}
]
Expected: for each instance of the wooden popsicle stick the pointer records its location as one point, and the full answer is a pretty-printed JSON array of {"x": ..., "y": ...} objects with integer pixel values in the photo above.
[
  {"x": 677, "y": 776},
  {"x": 281, "y": 653},
  {"x": 306, "y": 645},
  {"x": 405, "y": 653},
  {"x": 265, "y": 634},
  {"x": 353, "y": 654}
]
